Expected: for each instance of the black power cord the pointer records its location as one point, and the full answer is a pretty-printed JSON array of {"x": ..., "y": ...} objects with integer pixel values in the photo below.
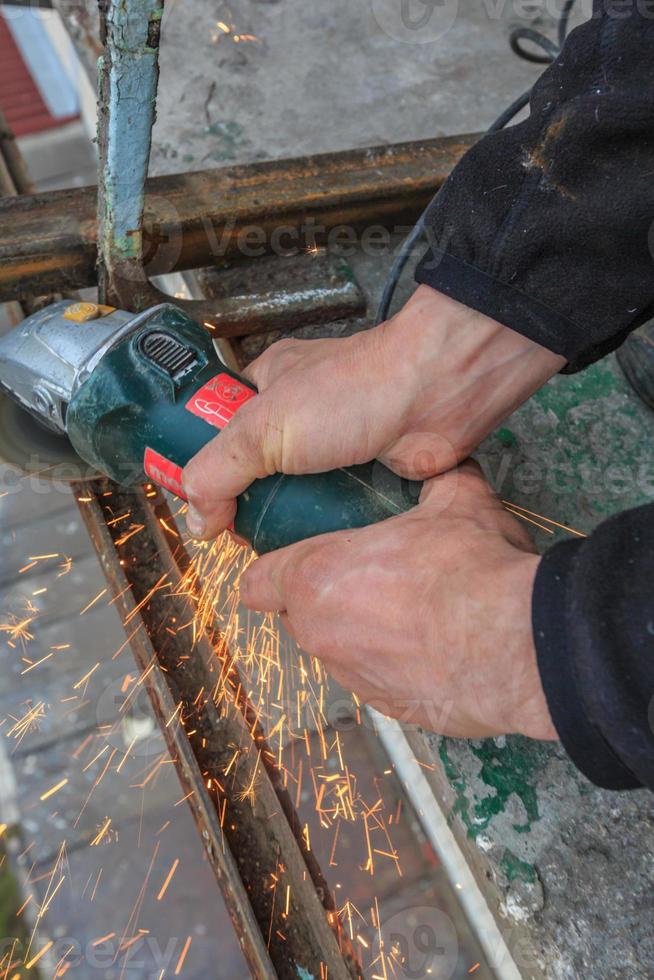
[{"x": 546, "y": 52}]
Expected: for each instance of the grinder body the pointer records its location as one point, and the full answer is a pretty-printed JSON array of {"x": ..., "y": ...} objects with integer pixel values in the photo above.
[{"x": 160, "y": 394}]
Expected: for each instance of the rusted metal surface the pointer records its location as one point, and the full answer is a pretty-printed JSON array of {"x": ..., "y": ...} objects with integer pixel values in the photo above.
[
  {"x": 15, "y": 180},
  {"x": 128, "y": 76},
  {"x": 128, "y": 581},
  {"x": 49, "y": 241},
  {"x": 248, "y": 838}
]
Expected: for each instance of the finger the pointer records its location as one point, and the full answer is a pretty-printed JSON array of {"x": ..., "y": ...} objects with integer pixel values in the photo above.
[
  {"x": 296, "y": 577},
  {"x": 456, "y": 490},
  {"x": 269, "y": 365},
  {"x": 264, "y": 585},
  {"x": 244, "y": 451},
  {"x": 420, "y": 455}
]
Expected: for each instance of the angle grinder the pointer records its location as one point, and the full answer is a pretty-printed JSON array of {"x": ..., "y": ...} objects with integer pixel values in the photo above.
[{"x": 137, "y": 396}]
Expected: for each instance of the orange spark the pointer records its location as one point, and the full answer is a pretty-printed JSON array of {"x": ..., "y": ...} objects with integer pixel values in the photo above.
[
  {"x": 53, "y": 790},
  {"x": 42, "y": 952},
  {"x": 169, "y": 877},
  {"x": 93, "y": 601},
  {"x": 182, "y": 957}
]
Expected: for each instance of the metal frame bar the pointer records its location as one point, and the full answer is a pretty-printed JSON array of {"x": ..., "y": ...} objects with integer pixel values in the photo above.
[
  {"x": 253, "y": 846},
  {"x": 49, "y": 241},
  {"x": 128, "y": 77}
]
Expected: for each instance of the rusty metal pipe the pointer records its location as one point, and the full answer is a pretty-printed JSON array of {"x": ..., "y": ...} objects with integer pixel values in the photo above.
[{"x": 48, "y": 241}]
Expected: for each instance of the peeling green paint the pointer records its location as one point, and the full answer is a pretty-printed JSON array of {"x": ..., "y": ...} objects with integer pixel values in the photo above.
[
  {"x": 516, "y": 869},
  {"x": 507, "y": 438},
  {"x": 508, "y": 770}
]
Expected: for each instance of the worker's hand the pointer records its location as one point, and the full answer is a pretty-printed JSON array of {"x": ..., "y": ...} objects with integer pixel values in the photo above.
[
  {"x": 427, "y": 616},
  {"x": 419, "y": 392}
]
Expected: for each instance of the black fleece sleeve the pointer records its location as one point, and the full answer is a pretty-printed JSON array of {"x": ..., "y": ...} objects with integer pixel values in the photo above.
[
  {"x": 593, "y": 618},
  {"x": 547, "y": 226}
]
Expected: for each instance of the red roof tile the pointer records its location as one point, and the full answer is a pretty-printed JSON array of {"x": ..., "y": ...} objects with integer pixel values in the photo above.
[{"x": 20, "y": 99}]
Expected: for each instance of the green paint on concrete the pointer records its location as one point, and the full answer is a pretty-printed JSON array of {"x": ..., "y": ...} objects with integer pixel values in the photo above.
[
  {"x": 515, "y": 869},
  {"x": 507, "y": 438},
  {"x": 229, "y": 136},
  {"x": 578, "y": 451},
  {"x": 595, "y": 382},
  {"x": 510, "y": 769}
]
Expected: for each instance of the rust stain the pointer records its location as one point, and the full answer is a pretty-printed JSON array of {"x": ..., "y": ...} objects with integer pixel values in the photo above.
[{"x": 541, "y": 156}]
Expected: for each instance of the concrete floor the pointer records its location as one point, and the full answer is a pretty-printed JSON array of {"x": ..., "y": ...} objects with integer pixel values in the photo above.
[{"x": 327, "y": 76}]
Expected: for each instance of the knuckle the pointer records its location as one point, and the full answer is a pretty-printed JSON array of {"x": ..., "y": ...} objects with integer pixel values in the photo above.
[
  {"x": 264, "y": 368},
  {"x": 313, "y": 578},
  {"x": 256, "y": 372},
  {"x": 281, "y": 347},
  {"x": 306, "y": 635},
  {"x": 310, "y": 573},
  {"x": 245, "y": 435}
]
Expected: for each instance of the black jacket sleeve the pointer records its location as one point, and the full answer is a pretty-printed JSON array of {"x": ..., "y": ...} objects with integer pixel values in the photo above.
[
  {"x": 547, "y": 228},
  {"x": 593, "y": 617}
]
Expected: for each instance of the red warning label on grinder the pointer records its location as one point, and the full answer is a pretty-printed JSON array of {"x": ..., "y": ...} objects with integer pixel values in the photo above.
[
  {"x": 219, "y": 400},
  {"x": 163, "y": 472}
]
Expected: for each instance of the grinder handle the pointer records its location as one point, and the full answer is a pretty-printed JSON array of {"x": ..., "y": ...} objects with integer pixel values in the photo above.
[{"x": 282, "y": 510}]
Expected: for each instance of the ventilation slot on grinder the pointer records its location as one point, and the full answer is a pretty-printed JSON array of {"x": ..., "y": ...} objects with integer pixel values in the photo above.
[{"x": 173, "y": 357}]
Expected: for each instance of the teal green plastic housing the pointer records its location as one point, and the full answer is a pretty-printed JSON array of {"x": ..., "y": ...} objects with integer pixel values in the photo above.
[{"x": 129, "y": 404}]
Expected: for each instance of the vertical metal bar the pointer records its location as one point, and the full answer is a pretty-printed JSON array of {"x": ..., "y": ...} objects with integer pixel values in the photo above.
[{"x": 128, "y": 75}]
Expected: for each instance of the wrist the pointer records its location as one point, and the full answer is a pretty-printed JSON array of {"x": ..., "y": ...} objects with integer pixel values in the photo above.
[
  {"x": 526, "y": 709},
  {"x": 468, "y": 371}
]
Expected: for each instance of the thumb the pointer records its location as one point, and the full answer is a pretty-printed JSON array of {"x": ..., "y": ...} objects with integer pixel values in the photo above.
[
  {"x": 457, "y": 490},
  {"x": 247, "y": 449}
]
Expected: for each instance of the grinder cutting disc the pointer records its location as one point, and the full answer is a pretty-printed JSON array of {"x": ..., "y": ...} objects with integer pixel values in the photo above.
[
  {"x": 29, "y": 447},
  {"x": 43, "y": 361}
]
